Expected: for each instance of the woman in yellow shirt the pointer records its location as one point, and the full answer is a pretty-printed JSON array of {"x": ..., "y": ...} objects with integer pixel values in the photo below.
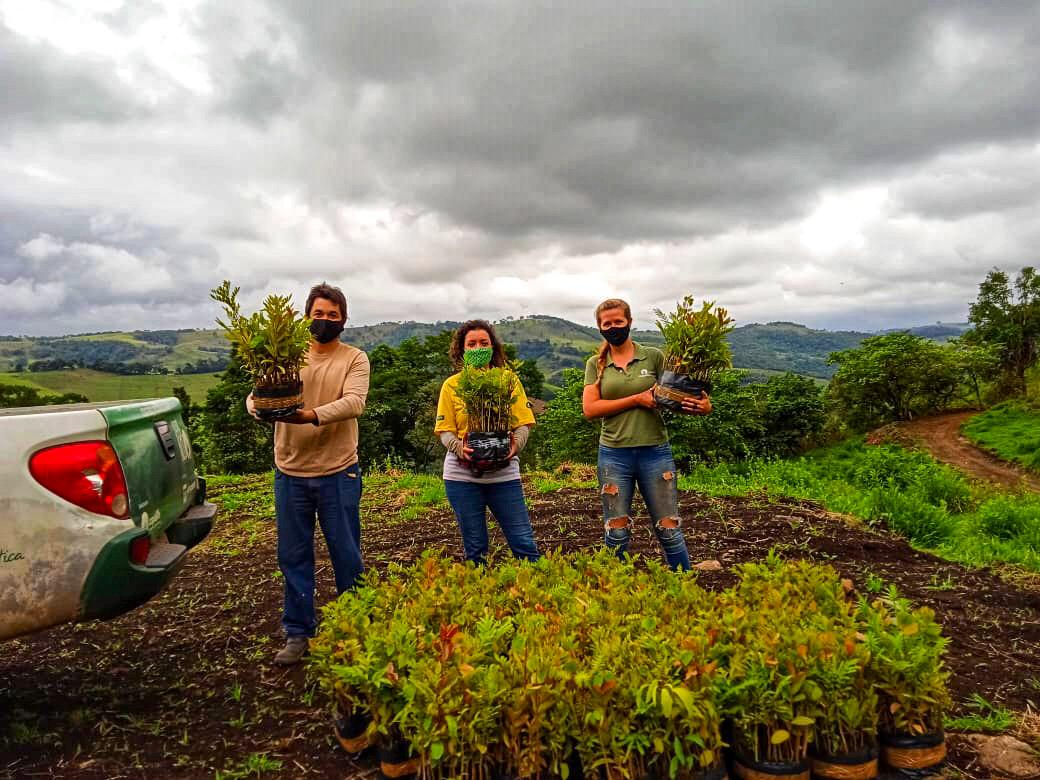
[{"x": 470, "y": 492}]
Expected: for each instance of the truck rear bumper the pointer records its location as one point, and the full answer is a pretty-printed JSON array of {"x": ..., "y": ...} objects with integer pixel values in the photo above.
[
  {"x": 193, "y": 526},
  {"x": 116, "y": 584}
]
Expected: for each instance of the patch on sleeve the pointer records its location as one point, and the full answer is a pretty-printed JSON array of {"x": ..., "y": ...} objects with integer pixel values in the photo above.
[
  {"x": 440, "y": 418},
  {"x": 529, "y": 405}
]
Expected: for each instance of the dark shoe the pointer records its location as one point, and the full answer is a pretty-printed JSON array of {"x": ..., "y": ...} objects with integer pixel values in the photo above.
[{"x": 293, "y": 652}]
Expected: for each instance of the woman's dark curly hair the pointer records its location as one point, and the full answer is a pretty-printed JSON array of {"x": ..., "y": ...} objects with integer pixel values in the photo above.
[{"x": 458, "y": 343}]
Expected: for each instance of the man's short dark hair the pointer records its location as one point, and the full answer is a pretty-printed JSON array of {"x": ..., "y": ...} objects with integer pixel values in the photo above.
[{"x": 329, "y": 293}]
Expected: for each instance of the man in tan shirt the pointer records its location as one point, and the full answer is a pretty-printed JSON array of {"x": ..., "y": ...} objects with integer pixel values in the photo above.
[{"x": 316, "y": 474}]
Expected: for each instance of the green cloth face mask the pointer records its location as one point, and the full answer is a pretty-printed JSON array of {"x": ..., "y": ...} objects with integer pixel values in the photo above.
[{"x": 477, "y": 358}]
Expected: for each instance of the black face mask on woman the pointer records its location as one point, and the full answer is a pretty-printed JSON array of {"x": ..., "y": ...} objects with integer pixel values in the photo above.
[
  {"x": 325, "y": 331},
  {"x": 616, "y": 336}
]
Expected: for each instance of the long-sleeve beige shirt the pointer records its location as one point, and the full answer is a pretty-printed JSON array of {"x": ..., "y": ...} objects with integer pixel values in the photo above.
[{"x": 335, "y": 386}]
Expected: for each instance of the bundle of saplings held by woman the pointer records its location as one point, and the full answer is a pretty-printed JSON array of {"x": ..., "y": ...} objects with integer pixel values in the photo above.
[
  {"x": 488, "y": 395},
  {"x": 696, "y": 350},
  {"x": 272, "y": 344},
  {"x": 483, "y": 421}
]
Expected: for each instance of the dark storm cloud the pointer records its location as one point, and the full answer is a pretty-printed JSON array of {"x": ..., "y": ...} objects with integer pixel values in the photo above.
[
  {"x": 77, "y": 265},
  {"x": 620, "y": 120},
  {"x": 41, "y": 85},
  {"x": 527, "y": 155}
]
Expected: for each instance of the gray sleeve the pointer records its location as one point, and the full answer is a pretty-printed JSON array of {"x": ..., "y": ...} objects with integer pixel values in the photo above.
[
  {"x": 520, "y": 436},
  {"x": 451, "y": 442}
]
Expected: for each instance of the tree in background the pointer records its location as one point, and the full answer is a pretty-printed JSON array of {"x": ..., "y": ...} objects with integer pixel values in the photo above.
[
  {"x": 1009, "y": 318},
  {"x": 728, "y": 433},
  {"x": 397, "y": 426},
  {"x": 191, "y": 414},
  {"x": 15, "y": 396},
  {"x": 792, "y": 411},
  {"x": 978, "y": 363},
  {"x": 897, "y": 376},
  {"x": 230, "y": 439},
  {"x": 531, "y": 376},
  {"x": 563, "y": 433}
]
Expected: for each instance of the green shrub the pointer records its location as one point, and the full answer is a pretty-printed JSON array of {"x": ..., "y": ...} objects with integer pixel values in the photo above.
[
  {"x": 521, "y": 665},
  {"x": 906, "y": 649},
  {"x": 931, "y": 504},
  {"x": 1010, "y": 518}
]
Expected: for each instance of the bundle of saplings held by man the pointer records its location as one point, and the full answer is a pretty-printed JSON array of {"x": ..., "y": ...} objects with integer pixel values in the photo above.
[
  {"x": 272, "y": 344},
  {"x": 696, "y": 350}
]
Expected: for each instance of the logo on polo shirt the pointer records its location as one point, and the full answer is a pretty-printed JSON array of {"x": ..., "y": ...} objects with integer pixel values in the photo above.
[{"x": 644, "y": 372}]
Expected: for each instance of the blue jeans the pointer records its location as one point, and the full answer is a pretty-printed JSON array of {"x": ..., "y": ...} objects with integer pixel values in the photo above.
[
  {"x": 336, "y": 500},
  {"x": 652, "y": 468},
  {"x": 470, "y": 502}
]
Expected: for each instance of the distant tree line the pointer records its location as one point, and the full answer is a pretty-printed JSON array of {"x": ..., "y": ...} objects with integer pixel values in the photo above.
[
  {"x": 13, "y": 396},
  {"x": 396, "y": 428},
  {"x": 900, "y": 376},
  {"x": 781, "y": 416},
  {"x": 116, "y": 357}
]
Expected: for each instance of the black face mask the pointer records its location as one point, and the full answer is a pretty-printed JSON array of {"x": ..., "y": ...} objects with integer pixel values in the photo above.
[
  {"x": 616, "y": 336},
  {"x": 325, "y": 331}
]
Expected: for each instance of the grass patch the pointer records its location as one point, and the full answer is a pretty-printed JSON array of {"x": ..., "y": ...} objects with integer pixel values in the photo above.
[
  {"x": 1010, "y": 430},
  {"x": 255, "y": 765},
  {"x": 385, "y": 495},
  {"x": 544, "y": 483},
  {"x": 398, "y": 495},
  {"x": 981, "y": 715},
  {"x": 930, "y": 504}
]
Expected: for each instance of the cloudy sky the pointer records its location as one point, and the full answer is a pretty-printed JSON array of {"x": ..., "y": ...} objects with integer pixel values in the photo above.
[{"x": 840, "y": 164}]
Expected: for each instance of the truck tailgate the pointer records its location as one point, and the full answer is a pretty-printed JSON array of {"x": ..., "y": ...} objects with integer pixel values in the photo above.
[{"x": 153, "y": 448}]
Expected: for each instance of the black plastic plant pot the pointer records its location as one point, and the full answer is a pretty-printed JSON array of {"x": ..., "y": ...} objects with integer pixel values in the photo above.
[
  {"x": 397, "y": 760},
  {"x": 351, "y": 731},
  {"x": 715, "y": 773},
  {"x": 500, "y": 772},
  {"x": 859, "y": 765},
  {"x": 575, "y": 767},
  {"x": 914, "y": 755},
  {"x": 658, "y": 768},
  {"x": 490, "y": 449},
  {"x": 673, "y": 387},
  {"x": 748, "y": 768},
  {"x": 274, "y": 402}
]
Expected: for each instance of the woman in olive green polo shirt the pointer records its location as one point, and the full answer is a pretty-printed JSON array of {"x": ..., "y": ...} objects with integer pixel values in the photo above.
[{"x": 633, "y": 445}]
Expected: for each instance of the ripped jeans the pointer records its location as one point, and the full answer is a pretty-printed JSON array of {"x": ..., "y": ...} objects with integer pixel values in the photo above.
[{"x": 652, "y": 468}]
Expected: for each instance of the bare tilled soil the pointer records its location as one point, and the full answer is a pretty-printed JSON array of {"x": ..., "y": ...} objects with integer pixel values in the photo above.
[{"x": 184, "y": 686}]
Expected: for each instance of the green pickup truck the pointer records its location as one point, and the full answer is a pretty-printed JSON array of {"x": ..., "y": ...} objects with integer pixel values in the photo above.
[{"x": 98, "y": 505}]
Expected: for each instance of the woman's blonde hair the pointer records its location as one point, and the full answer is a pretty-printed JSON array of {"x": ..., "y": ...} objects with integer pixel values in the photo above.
[{"x": 610, "y": 303}]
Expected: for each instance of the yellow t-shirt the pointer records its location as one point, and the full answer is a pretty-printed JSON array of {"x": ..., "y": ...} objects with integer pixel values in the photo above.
[{"x": 451, "y": 413}]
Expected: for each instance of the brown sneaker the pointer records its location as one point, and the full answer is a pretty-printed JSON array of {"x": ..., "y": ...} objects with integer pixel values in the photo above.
[{"x": 293, "y": 652}]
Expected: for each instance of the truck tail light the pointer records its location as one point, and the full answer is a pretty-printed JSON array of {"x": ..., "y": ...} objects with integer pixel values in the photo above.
[
  {"x": 139, "y": 549},
  {"x": 85, "y": 473}
]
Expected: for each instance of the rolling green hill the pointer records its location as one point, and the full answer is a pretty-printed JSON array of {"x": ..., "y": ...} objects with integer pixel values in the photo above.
[
  {"x": 787, "y": 346},
  {"x": 134, "y": 352},
  {"x": 555, "y": 343}
]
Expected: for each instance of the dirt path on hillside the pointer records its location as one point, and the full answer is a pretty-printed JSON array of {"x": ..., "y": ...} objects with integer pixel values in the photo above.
[{"x": 942, "y": 437}]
